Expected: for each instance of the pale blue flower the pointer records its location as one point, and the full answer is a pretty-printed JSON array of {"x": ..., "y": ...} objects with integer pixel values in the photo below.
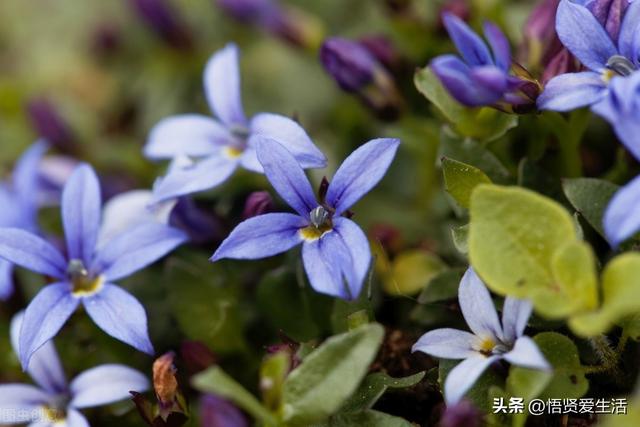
[{"x": 490, "y": 340}]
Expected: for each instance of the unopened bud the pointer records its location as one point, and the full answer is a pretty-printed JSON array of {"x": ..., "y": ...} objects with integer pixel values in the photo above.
[
  {"x": 50, "y": 125},
  {"x": 258, "y": 203},
  {"x": 357, "y": 71},
  {"x": 164, "y": 21},
  {"x": 165, "y": 383}
]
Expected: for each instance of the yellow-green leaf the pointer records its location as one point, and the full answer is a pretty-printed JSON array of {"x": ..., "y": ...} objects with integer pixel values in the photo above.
[
  {"x": 513, "y": 235},
  {"x": 460, "y": 179}
]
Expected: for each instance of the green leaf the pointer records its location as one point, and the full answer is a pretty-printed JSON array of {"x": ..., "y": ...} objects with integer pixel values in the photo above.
[
  {"x": 442, "y": 287},
  {"x": 409, "y": 272},
  {"x": 620, "y": 297},
  {"x": 513, "y": 235},
  {"x": 527, "y": 384},
  {"x": 280, "y": 288},
  {"x": 568, "y": 380},
  {"x": 367, "y": 418},
  {"x": 374, "y": 386},
  {"x": 215, "y": 380},
  {"x": 460, "y": 179},
  {"x": 328, "y": 376},
  {"x": 590, "y": 197},
  {"x": 472, "y": 153},
  {"x": 482, "y": 124},
  {"x": 460, "y": 236},
  {"x": 574, "y": 272},
  {"x": 205, "y": 303},
  {"x": 273, "y": 372}
]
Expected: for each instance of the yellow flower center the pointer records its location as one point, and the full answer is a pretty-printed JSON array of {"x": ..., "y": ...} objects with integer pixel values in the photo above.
[
  {"x": 485, "y": 346},
  {"x": 312, "y": 233},
  {"x": 232, "y": 152},
  {"x": 54, "y": 415}
]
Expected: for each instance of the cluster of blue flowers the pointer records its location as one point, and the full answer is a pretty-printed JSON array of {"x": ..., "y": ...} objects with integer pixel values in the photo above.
[
  {"x": 604, "y": 40},
  {"x": 105, "y": 244}
]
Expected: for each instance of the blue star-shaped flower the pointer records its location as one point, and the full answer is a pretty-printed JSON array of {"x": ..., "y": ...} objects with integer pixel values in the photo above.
[{"x": 335, "y": 251}]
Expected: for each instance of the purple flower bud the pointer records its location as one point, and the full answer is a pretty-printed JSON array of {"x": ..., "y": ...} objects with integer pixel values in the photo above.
[
  {"x": 258, "y": 203},
  {"x": 541, "y": 25},
  {"x": 348, "y": 62},
  {"x": 563, "y": 62},
  {"x": 289, "y": 24},
  {"x": 217, "y": 412},
  {"x": 357, "y": 71},
  {"x": 164, "y": 21},
  {"x": 462, "y": 414},
  {"x": 249, "y": 11},
  {"x": 50, "y": 125},
  {"x": 459, "y": 8},
  {"x": 202, "y": 226},
  {"x": 196, "y": 356},
  {"x": 383, "y": 50},
  {"x": 609, "y": 13}
]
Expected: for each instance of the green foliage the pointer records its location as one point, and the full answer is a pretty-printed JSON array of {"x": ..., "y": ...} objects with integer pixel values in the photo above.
[
  {"x": 523, "y": 230},
  {"x": 589, "y": 196},
  {"x": 374, "y": 386},
  {"x": 409, "y": 271},
  {"x": 328, "y": 376},
  {"x": 460, "y": 179},
  {"x": 367, "y": 418},
  {"x": 215, "y": 380},
  {"x": 219, "y": 323},
  {"x": 567, "y": 380},
  {"x": 620, "y": 296},
  {"x": 482, "y": 124}
]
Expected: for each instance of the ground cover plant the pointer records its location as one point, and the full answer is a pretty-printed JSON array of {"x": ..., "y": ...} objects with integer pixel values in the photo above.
[{"x": 385, "y": 213}]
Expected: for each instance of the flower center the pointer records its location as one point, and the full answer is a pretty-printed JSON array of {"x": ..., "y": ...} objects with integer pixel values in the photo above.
[
  {"x": 82, "y": 282},
  {"x": 485, "y": 346},
  {"x": 620, "y": 65},
  {"x": 320, "y": 219}
]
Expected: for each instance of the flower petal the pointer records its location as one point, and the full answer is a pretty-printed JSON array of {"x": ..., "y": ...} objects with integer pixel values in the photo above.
[
  {"x": 456, "y": 77},
  {"x": 6, "y": 279},
  {"x": 359, "y": 251},
  {"x": 525, "y": 353},
  {"x": 472, "y": 48},
  {"x": 464, "y": 375},
  {"x": 572, "y": 90},
  {"x": 324, "y": 276},
  {"x": 75, "y": 419},
  {"x": 360, "y": 172},
  {"x": 120, "y": 315},
  {"x": 44, "y": 317},
  {"x": 31, "y": 252},
  {"x": 630, "y": 33},
  {"x": 191, "y": 135},
  {"x": 44, "y": 367},
  {"x": 291, "y": 135},
  {"x": 621, "y": 219},
  {"x": 447, "y": 343},
  {"x": 202, "y": 175},
  {"x": 222, "y": 86},
  {"x": 621, "y": 108},
  {"x": 129, "y": 209},
  {"x": 286, "y": 175},
  {"x": 81, "y": 202},
  {"x": 20, "y": 403},
  {"x": 106, "y": 384},
  {"x": 262, "y": 236},
  {"x": 515, "y": 315},
  {"x": 582, "y": 34},
  {"x": 477, "y": 307},
  {"x": 135, "y": 249},
  {"x": 499, "y": 46}
]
